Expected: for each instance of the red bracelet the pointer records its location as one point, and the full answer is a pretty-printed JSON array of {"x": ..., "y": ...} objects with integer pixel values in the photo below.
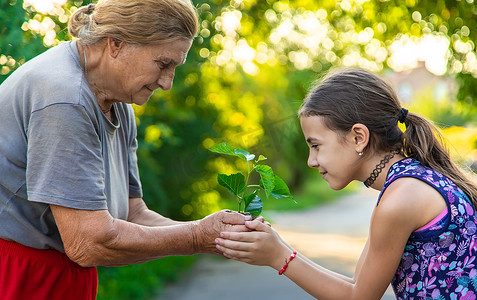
[{"x": 286, "y": 263}]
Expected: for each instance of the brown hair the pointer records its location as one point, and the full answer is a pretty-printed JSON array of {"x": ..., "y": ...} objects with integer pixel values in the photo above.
[
  {"x": 140, "y": 22},
  {"x": 355, "y": 96}
]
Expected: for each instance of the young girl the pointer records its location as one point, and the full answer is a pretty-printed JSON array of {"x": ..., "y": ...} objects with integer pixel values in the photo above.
[{"x": 422, "y": 236}]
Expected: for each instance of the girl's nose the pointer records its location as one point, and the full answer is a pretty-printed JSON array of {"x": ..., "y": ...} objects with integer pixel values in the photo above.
[{"x": 312, "y": 161}]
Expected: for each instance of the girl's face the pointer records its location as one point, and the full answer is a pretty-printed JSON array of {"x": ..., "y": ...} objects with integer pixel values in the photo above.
[{"x": 334, "y": 155}]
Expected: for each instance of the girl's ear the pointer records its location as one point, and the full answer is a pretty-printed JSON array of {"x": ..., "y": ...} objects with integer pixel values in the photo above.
[{"x": 360, "y": 136}]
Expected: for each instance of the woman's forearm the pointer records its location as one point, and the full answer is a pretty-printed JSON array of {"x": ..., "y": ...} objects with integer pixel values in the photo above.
[
  {"x": 140, "y": 214},
  {"x": 114, "y": 242},
  {"x": 134, "y": 243},
  {"x": 94, "y": 238}
]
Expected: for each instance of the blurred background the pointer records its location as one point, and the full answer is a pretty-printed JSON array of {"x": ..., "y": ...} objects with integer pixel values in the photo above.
[{"x": 245, "y": 77}]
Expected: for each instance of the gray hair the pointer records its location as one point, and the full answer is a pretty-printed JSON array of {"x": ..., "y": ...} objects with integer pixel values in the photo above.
[{"x": 140, "y": 22}]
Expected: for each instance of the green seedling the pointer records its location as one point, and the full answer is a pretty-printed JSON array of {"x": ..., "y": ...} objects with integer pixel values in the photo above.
[{"x": 248, "y": 195}]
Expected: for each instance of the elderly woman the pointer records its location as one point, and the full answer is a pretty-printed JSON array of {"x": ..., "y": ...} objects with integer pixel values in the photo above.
[{"x": 70, "y": 194}]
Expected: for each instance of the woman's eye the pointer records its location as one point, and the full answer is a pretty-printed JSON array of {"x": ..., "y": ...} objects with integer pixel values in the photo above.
[
  {"x": 314, "y": 147},
  {"x": 163, "y": 65}
]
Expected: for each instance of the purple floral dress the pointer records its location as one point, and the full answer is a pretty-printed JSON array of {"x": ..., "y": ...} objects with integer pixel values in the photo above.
[{"x": 438, "y": 262}]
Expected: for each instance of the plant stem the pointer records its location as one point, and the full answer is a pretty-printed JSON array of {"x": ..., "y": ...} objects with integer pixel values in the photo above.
[{"x": 246, "y": 184}]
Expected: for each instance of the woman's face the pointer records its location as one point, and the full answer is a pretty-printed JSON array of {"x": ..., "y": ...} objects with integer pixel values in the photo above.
[
  {"x": 333, "y": 155},
  {"x": 138, "y": 70}
]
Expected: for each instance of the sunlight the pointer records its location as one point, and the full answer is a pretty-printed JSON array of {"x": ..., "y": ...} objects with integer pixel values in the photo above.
[
  {"x": 229, "y": 22},
  {"x": 311, "y": 32},
  {"x": 44, "y": 6},
  {"x": 408, "y": 51}
]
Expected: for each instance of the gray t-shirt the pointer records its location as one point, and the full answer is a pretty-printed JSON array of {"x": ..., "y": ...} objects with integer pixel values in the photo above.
[{"x": 57, "y": 147}]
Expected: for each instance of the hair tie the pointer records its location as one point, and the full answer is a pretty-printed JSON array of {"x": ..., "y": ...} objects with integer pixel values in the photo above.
[
  {"x": 403, "y": 115},
  {"x": 90, "y": 9}
]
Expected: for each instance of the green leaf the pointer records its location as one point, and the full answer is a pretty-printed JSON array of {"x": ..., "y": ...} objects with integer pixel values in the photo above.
[
  {"x": 248, "y": 198},
  {"x": 247, "y": 155},
  {"x": 261, "y": 157},
  {"x": 267, "y": 178},
  {"x": 255, "y": 205},
  {"x": 222, "y": 148},
  {"x": 280, "y": 189},
  {"x": 234, "y": 183}
]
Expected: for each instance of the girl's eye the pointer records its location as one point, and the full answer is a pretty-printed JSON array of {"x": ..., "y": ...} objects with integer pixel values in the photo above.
[{"x": 314, "y": 147}]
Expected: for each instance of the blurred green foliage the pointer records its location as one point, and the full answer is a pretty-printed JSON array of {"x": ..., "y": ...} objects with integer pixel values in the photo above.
[
  {"x": 16, "y": 44},
  {"x": 141, "y": 281},
  {"x": 455, "y": 119},
  {"x": 444, "y": 112},
  {"x": 248, "y": 70},
  {"x": 246, "y": 74}
]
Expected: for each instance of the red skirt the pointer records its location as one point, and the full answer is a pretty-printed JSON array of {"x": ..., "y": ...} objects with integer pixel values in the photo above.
[{"x": 28, "y": 273}]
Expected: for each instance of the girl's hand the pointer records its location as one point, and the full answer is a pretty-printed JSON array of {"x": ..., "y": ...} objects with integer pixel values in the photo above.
[{"x": 261, "y": 246}]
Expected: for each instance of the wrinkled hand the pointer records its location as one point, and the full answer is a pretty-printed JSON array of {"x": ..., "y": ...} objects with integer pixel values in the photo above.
[
  {"x": 260, "y": 246},
  {"x": 208, "y": 229}
]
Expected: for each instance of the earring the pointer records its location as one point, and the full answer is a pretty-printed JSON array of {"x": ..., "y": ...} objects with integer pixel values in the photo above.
[{"x": 360, "y": 153}]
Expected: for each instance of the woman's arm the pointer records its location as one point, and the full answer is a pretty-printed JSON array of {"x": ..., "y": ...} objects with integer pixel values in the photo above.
[
  {"x": 93, "y": 238},
  {"x": 140, "y": 214}
]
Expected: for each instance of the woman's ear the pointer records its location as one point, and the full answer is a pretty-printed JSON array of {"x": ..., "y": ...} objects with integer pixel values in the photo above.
[
  {"x": 114, "y": 46},
  {"x": 360, "y": 136}
]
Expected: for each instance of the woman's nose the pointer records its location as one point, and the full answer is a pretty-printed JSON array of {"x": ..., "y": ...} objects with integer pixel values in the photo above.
[{"x": 165, "y": 80}]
